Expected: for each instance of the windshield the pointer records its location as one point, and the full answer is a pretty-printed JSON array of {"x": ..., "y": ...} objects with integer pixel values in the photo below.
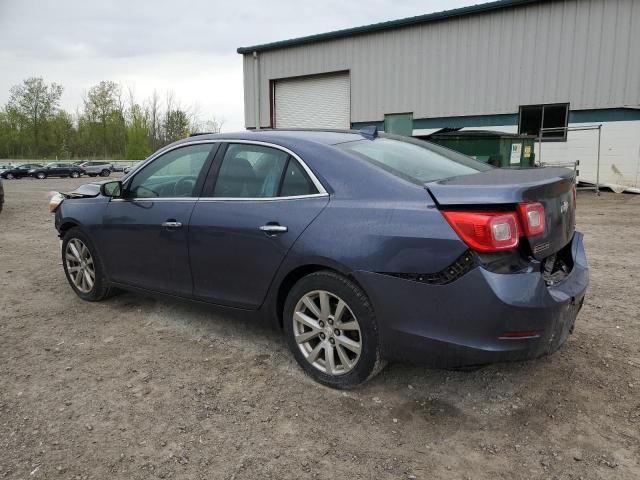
[{"x": 414, "y": 160}]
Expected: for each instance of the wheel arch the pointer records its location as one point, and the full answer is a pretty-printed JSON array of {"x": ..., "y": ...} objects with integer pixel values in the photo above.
[
  {"x": 66, "y": 225},
  {"x": 299, "y": 272}
]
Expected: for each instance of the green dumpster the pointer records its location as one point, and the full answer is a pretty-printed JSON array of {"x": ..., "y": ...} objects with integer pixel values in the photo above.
[{"x": 501, "y": 149}]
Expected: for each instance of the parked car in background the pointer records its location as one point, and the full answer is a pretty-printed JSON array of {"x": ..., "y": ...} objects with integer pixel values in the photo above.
[
  {"x": 56, "y": 170},
  {"x": 4, "y": 167},
  {"x": 95, "y": 168},
  {"x": 1, "y": 195},
  {"x": 19, "y": 171},
  {"x": 361, "y": 247},
  {"x": 131, "y": 167}
]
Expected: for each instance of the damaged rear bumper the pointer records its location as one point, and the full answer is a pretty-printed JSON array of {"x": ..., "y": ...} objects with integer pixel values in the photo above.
[{"x": 483, "y": 317}]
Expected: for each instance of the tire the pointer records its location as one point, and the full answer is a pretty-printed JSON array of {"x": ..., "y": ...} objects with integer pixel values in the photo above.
[
  {"x": 105, "y": 173},
  {"x": 99, "y": 289},
  {"x": 41, "y": 175},
  {"x": 74, "y": 175},
  {"x": 10, "y": 176},
  {"x": 358, "y": 367}
]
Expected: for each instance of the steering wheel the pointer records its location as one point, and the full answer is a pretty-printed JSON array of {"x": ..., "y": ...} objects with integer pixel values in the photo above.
[{"x": 184, "y": 187}]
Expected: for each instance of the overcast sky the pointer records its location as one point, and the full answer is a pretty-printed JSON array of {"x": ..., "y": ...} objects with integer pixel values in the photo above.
[{"x": 187, "y": 46}]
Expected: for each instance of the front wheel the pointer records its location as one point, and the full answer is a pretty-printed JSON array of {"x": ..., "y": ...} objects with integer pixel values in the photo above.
[
  {"x": 10, "y": 176},
  {"x": 331, "y": 330},
  {"x": 82, "y": 267},
  {"x": 41, "y": 175},
  {"x": 75, "y": 174}
]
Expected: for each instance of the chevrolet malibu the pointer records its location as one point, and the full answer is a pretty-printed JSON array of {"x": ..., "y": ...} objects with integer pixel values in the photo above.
[{"x": 362, "y": 247}]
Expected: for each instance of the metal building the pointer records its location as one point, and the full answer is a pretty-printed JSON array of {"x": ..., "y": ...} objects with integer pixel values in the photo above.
[{"x": 508, "y": 65}]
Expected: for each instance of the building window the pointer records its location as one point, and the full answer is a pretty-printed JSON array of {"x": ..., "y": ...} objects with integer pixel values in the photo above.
[{"x": 534, "y": 117}]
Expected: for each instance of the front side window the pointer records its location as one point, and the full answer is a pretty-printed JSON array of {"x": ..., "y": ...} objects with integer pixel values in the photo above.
[
  {"x": 173, "y": 174},
  {"x": 414, "y": 160},
  {"x": 535, "y": 117}
]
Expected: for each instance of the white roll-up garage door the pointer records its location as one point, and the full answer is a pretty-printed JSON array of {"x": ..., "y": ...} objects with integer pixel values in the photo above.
[{"x": 320, "y": 101}]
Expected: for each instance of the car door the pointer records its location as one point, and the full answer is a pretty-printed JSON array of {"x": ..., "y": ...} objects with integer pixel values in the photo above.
[
  {"x": 258, "y": 199},
  {"x": 23, "y": 170},
  {"x": 144, "y": 234},
  {"x": 63, "y": 169},
  {"x": 53, "y": 170}
]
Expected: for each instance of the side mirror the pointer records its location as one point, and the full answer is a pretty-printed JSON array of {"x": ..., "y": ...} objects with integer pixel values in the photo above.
[{"x": 111, "y": 189}]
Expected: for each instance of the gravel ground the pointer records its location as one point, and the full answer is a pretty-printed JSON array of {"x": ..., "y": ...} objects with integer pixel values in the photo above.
[{"x": 137, "y": 388}]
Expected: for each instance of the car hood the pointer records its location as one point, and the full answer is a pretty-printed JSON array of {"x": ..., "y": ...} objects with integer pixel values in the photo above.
[{"x": 88, "y": 190}]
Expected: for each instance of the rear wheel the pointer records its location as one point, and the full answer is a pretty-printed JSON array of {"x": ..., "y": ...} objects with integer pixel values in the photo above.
[
  {"x": 75, "y": 174},
  {"x": 41, "y": 175},
  {"x": 331, "y": 330},
  {"x": 105, "y": 173},
  {"x": 82, "y": 267}
]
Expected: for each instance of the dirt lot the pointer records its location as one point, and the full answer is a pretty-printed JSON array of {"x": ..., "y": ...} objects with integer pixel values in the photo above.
[{"x": 141, "y": 388}]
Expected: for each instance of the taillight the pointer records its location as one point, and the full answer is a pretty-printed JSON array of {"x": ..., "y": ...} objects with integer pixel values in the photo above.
[
  {"x": 485, "y": 231},
  {"x": 532, "y": 217}
]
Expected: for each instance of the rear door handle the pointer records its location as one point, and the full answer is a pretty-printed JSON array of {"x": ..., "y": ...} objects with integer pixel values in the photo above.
[
  {"x": 272, "y": 229},
  {"x": 172, "y": 224}
]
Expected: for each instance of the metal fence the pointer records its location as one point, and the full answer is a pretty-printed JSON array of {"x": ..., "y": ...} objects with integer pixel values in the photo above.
[
  {"x": 575, "y": 164},
  {"x": 119, "y": 165}
]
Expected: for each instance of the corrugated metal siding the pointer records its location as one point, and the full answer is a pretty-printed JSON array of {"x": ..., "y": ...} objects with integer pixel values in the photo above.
[
  {"x": 586, "y": 52},
  {"x": 320, "y": 101}
]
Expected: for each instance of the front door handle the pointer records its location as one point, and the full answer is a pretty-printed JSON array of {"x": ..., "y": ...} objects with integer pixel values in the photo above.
[
  {"x": 271, "y": 229},
  {"x": 172, "y": 224}
]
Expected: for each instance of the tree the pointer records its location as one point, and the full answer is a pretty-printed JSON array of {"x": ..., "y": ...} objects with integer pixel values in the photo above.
[
  {"x": 102, "y": 105},
  {"x": 154, "y": 120},
  {"x": 34, "y": 102},
  {"x": 32, "y": 124},
  {"x": 60, "y": 137},
  {"x": 176, "y": 125},
  {"x": 137, "y": 147},
  {"x": 210, "y": 126}
]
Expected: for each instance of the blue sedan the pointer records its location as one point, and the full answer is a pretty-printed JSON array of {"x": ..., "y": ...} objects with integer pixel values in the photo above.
[{"x": 362, "y": 247}]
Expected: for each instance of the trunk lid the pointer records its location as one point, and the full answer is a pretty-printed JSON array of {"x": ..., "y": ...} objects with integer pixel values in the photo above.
[{"x": 553, "y": 187}]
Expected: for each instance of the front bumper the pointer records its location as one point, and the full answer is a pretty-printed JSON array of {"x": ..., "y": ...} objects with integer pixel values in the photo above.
[{"x": 463, "y": 323}]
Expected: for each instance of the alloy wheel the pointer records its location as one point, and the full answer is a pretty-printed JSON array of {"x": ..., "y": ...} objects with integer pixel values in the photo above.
[
  {"x": 327, "y": 332},
  {"x": 10, "y": 176},
  {"x": 80, "y": 266}
]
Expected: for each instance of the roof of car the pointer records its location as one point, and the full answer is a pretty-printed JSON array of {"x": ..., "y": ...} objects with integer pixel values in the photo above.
[{"x": 326, "y": 137}]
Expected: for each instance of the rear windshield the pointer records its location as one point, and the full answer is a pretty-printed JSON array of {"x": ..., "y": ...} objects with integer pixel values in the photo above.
[{"x": 414, "y": 160}]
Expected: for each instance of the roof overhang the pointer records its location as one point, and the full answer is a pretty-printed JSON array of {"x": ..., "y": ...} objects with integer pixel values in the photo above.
[{"x": 392, "y": 24}]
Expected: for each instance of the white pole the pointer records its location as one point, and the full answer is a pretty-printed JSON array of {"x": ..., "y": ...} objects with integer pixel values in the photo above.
[
  {"x": 598, "y": 162},
  {"x": 256, "y": 89}
]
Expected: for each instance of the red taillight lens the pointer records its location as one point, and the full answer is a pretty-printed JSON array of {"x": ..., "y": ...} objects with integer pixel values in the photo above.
[
  {"x": 532, "y": 217},
  {"x": 485, "y": 231}
]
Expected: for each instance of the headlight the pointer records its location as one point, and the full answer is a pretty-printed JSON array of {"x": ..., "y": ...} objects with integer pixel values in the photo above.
[{"x": 55, "y": 201}]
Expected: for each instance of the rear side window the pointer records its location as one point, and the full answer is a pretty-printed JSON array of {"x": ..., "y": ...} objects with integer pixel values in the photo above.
[
  {"x": 250, "y": 171},
  {"x": 295, "y": 181},
  {"x": 414, "y": 160}
]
